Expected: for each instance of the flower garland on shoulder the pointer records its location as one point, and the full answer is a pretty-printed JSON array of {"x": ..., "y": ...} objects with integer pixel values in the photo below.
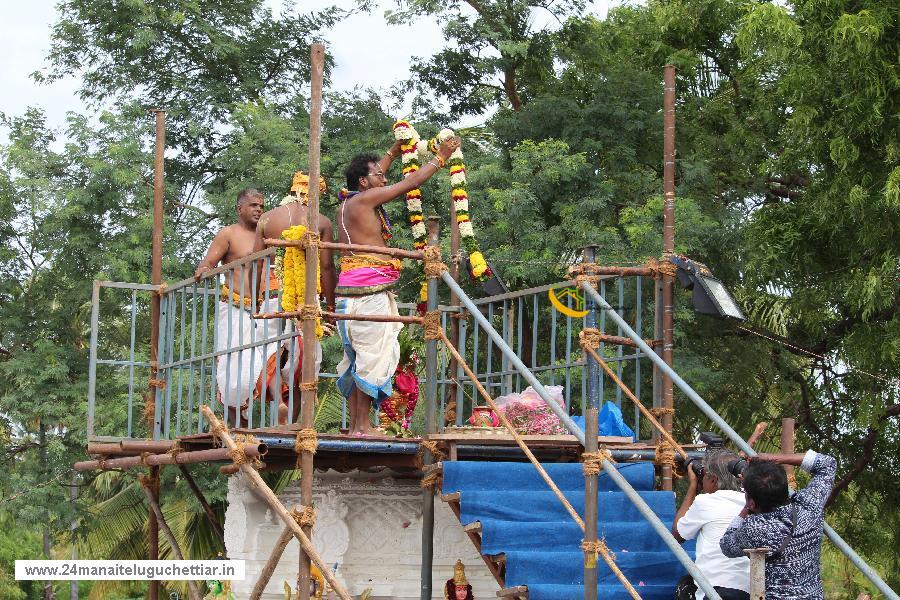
[{"x": 292, "y": 274}]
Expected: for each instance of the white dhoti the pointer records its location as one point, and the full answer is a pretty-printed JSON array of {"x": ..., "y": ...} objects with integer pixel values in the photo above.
[
  {"x": 277, "y": 327},
  {"x": 371, "y": 350},
  {"x": 237, "y": 372}
]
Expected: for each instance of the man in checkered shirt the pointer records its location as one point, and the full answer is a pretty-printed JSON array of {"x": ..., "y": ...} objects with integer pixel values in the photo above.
[{"x": 791, "y": 526}]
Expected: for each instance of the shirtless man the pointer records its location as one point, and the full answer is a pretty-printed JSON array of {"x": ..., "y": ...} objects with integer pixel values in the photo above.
[
  {"x": 236, "y": 241},
  {"x": 294, "y": 210},
  {"x": 237, "y": 373},
  {"x": 371, "y": 350}
]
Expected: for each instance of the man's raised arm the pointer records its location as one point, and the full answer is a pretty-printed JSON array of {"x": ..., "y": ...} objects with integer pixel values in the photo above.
[
  {"x": 393, "y": 152},
  {"x": 217, "y": 250},
  {"x": 377, "y": 196}
]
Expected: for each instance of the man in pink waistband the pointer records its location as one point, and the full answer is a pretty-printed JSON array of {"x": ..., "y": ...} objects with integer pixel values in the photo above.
[{"x": 371, "y": 350}]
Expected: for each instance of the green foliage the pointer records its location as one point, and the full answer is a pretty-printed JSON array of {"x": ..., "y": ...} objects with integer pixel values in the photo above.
[{"x": 788, "y": 173}]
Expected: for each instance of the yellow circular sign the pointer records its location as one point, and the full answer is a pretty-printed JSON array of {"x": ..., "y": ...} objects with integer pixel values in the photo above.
[{"x": 569, "y": 312}]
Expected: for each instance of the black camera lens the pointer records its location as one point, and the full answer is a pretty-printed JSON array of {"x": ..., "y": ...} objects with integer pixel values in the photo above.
[
  {"x": 697, "y": 465},
  {"x": 736, "y": 467}
]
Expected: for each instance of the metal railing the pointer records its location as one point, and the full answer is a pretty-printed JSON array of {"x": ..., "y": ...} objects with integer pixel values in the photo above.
[{"x": 200, "y": 332}]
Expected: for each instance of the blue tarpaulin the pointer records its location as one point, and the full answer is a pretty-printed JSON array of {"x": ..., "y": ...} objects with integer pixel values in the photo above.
[{"x": 521, "y": 518}]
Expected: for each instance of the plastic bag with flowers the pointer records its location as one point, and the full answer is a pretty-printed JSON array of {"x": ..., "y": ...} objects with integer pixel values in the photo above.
[{"x": 530, "y": 415}]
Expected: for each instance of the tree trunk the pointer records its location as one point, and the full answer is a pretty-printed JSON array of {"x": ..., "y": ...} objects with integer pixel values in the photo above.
[
  {"x": 42, "y": 437},
  {"x": 509, "y": 86}
]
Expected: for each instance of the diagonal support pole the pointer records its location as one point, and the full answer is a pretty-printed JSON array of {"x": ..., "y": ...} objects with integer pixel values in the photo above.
[
  {"x": 604, "y": 553},
  {"x": 608, "y": 466},
  {"x": 266, "y": 574},
  {"x": 266, "y": 493},
  {"x": 713, "y": 416},
  {"x": 193, "y": 590},
  {"x": 640, "y": 405}
]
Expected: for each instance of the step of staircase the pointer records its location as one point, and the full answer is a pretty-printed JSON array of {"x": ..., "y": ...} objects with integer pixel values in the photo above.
[{"x": 509, "y": 511}]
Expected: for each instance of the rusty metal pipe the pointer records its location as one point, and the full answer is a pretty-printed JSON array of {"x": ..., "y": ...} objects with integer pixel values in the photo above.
[{"x": 182, "y": 458}]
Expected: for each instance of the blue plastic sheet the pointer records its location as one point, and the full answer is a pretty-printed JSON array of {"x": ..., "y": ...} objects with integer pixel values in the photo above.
[{"x": 610, "y": 422}]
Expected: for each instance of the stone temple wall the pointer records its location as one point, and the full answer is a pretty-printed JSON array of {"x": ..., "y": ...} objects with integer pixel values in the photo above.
[{"x": 368, "y": 528}]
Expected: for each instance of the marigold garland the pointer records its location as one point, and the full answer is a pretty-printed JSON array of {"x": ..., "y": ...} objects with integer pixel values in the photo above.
[
  {"x": 409, "y": 140},
  {"x": 460, "y": 196},
  {"x": 293, "y": 274}
]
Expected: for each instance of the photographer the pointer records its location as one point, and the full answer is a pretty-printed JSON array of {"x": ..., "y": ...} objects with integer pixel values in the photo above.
[
  {"x": 706, "y": 516},
  {"x": 790, "y": 526}
]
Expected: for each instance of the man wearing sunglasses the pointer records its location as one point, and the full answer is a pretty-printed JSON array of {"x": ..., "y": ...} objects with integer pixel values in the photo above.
[
  {"x": 371, "y": 349},
  {"x": 706, "y": 516}
]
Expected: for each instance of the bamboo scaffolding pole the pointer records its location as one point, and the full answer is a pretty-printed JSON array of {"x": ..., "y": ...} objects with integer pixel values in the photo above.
[
  {"x": 155, "y": 460},
  {"x": 155, "y": 307},
  {"x": 309, "y": 376},
  {"x": 610, "y": 561},
  {"x": 396, "y": 252},
  {"x": 207, "y": 509},
  {"x": 269, "y": 497},
  {"x": 590, "y": 270},
  {"x": 193, "y": 590},
  {"x": 408, "y": 320},
  {"x": 640, "y": 405},
  {"x": 266, "y": 574},
  {"x": 668, "y": 281}
]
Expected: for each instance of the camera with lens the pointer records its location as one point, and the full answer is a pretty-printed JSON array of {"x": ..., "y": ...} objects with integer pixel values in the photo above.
[{"x": 736, "y": 467}]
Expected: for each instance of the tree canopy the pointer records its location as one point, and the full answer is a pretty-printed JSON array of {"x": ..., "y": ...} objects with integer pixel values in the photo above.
[{"x": 788, "y": 173}]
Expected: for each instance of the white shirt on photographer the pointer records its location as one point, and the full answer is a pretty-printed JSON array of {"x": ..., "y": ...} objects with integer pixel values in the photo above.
[{"x": 707, "y": 519}]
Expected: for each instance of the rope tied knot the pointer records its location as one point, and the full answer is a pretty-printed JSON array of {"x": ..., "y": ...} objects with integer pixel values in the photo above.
[
  {"x": 239, "y": 457},
  {"x": 589, "y": 337},
  {"x": 217, "y": 429},
  {"x": 662, "y": 410},
  {"x": 662, "y": 266},
  {"x": 432, "y": 325},
  {"x": 434, "y": 266},
  {"x": 175, "y": 450},
  {"x": 665, "y": 456},
  {"x": 597, "y": 547},
  {"x": 304, "y": 516},
  {"x": 310, "y": 239},
  {"x": 308, "y": 386},
  {"x": 593, "y": 461},
  {"x": 307, "y": 441},
  {"x": 437, "y": 453},
  {"x": 309, "y": 313},
  {"x": 159, "y": 384}
]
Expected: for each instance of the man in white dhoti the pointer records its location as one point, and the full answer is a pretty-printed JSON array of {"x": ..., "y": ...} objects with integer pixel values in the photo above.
[
  {"x": 294, "y": 210},
  {"x": 239, "y": 372},
  {"x": 371, "y": 349}
]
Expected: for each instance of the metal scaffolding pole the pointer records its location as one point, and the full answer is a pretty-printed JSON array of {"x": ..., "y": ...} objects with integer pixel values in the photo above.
[
  {"x": 566, "y": 420},
  {"x": 713, "y": 416},
  {"x": 308, "y": 369},
  {"x": 431, "y": 378}
]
